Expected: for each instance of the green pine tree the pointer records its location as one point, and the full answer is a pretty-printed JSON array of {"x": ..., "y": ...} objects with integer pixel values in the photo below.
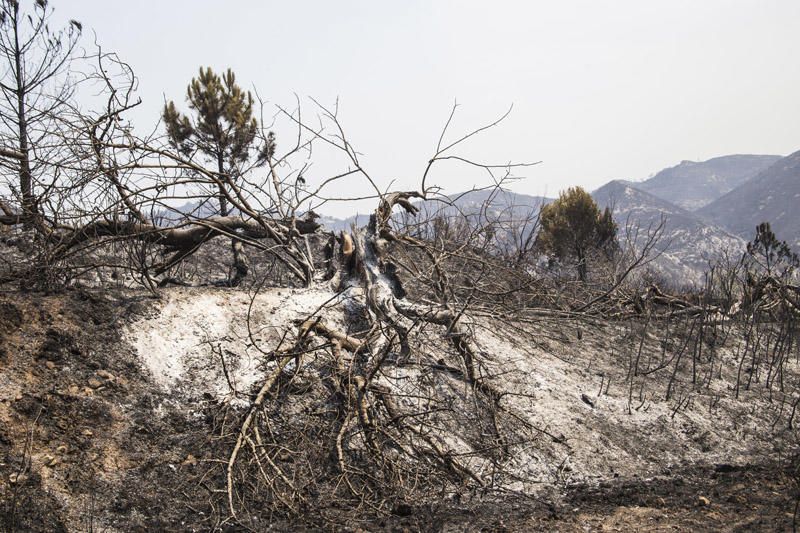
[
  {"x": 573, "y": 225},
  {"x": 769, "y": 256},
  {"x": 221, "y": 127}
]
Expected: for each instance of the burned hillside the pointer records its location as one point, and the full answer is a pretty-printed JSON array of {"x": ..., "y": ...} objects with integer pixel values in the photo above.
[
  {"x": 184, "y": 345},
  {"x": 358, "y": 402}
]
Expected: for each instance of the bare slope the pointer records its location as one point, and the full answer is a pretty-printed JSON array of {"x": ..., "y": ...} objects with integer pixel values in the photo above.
[
  {"x": 688, "y": 242},
  {"x": 772, "y": 196},
  {"x": 176, "y": 348},
  {"x": 693, "y": 184}
]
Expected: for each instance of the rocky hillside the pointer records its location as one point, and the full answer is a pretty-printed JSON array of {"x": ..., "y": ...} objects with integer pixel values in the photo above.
[
  {"x": 771, "y": 196},
  {"x": 688, "y": 242},
  {"x": 691, "y": 184}
]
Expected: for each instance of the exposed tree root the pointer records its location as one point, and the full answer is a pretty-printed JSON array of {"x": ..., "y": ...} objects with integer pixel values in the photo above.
[{"x": 375, "y": 443}]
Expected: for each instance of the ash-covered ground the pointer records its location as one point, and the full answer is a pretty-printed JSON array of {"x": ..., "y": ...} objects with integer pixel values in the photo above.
[{"x": 116, "y": 413}]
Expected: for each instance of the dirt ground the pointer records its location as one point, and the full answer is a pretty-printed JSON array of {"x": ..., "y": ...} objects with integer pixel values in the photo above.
[
  {"x": 89, "y": 441},
  {"x": 753, "y": 498}
]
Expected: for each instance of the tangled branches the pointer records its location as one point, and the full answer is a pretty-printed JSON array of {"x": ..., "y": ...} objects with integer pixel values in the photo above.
[{"x": 362, "y": 409}]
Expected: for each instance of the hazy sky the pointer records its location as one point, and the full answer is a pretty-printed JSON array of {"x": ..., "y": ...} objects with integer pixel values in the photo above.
[{"x": 601, "y": 89}]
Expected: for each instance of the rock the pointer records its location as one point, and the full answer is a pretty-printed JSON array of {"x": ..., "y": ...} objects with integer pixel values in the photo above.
[
  {"x": 50, "y": 460},
  {"x": 588, "y": 401},
  {"x": 17, "y": 478},
  {"x": 73, "y": 389},
  {"x": 703, "y": 501},
  {"x": 190, "y": 460},
  {"x": 94, "y": 383},
  {"x": 738, "y": 499},
  {"x": 106, "y": 375},
  {"x": 50, "y": 365},
  {"x": 87, "y": 433}
]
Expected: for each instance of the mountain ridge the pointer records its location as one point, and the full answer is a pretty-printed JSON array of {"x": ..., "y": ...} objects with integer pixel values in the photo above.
[
  {"x": 694, "y": 184},
  {"x": 687, "y": 242},
  {"x": 771, "y": 196}
]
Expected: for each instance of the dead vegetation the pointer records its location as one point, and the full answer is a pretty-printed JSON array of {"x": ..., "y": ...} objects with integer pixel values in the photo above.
[
  {"x": 89, "y": 427},
  {"x": 411, "y": 387},
  {"x": 424, "y": 368}
]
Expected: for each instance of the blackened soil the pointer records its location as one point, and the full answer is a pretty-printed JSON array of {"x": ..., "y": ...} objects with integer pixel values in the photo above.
[
  {"x": 713, "y": 498},
  {"x": 81, "y": 450}
]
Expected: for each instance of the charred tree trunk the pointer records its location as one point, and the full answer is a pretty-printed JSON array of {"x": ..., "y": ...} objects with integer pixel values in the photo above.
[
  {"x": 25, "y": 176},
  {"x": 240, "y": 266}
]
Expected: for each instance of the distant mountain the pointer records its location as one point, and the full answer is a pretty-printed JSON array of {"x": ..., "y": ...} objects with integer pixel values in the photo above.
[
  {"x": 692, "y": 185},
  {"x": 688, "y": 242},
  {"x": 492, "y": 203},
  {"x": 342, "y": 224},
  {"x": 771, "y": 196},
  {"x": 502, "y": 205}
]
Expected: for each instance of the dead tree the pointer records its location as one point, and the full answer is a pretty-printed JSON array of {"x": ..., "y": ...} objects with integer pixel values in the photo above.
[
  {"x": 34, "y": 87},
  {"x": 392, "y": 285},
  {"x": 106, "y": 185}
]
